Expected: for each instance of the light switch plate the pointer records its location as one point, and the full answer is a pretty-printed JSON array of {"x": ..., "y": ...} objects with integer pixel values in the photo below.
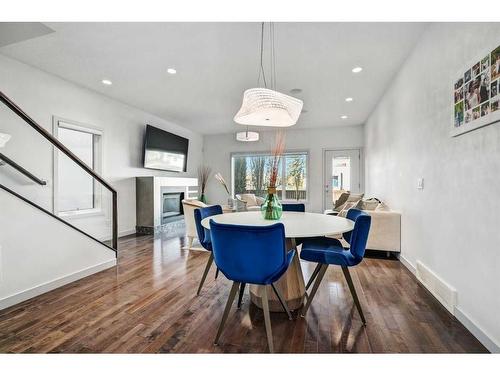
[{"x": 420, "y": 184}]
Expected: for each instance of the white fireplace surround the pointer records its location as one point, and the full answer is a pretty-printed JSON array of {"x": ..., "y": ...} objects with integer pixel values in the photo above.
[{"x": 149, "y": 191}]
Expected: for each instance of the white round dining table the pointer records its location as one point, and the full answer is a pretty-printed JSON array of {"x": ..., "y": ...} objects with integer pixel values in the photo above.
[{"x": 297, "y": 225}]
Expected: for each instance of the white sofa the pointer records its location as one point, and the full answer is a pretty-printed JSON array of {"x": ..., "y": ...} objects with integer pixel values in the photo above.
[
  {"x": 250, "y": 202},
  {"x": 385, "y": 231},
  {"x": 188, "y": 206}
]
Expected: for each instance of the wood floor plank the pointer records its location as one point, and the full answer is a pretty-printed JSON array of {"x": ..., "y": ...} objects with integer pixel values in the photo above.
[{"x": 148, "y": 304}]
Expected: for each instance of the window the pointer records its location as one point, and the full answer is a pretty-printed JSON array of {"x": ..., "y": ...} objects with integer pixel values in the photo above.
[
  {"x": 76, "y": 191},
  {"x": 250, "y": 174}
]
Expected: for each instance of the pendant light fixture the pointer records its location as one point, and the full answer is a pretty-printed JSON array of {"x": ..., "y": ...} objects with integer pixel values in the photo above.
[
  {"x": 265, "y": 106},
  {"x": 247, "y": 136}
]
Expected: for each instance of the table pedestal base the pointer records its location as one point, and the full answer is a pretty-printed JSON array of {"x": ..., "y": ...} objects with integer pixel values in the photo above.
[{"x": 291, "y": 285}]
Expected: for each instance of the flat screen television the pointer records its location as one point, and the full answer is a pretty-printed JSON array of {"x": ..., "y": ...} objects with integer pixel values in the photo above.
[{"x": 164, "y": 150}]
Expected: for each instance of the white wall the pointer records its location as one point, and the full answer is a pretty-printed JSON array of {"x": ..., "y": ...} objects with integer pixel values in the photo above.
[
  {"x": 42, "y": 96},
  {"x": 452, "y": 226},
  {"x": 39, "y": 253},
  {"x": 217, "y": 151}
]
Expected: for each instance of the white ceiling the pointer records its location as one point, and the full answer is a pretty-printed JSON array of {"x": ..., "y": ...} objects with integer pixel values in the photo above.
[{"x": 216, "y": 62}]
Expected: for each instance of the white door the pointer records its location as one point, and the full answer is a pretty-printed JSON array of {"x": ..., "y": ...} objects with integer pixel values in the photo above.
[{"x": 342, "y": 173}]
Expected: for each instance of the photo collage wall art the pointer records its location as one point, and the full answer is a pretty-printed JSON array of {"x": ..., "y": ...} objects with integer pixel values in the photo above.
[{"x": 476, "y": 94}]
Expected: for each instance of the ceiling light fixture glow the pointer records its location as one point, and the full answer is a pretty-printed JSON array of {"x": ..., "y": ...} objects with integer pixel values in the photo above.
[
  {"x": 343, "y": 117},
  {"x": 348, "y": 99},
  {"x": 171, "y": 71},
  {"x": 106, "y": 82},
  {"x": 247, "y": 136},
  {"x": 357, "y": 69}
]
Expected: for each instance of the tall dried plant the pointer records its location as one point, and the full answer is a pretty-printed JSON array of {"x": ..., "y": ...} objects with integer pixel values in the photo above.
[
  {"x": 204, "y": 173},
  {"x": 221, "y": 180},
  {"x": 277, "y": 150}
]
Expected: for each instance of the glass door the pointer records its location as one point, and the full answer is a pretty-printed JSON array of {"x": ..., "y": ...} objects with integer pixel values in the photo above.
[{"x": 342, "y": 174}]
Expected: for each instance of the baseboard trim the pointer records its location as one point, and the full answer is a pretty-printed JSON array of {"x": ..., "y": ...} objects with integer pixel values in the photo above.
[
  {"x": 468, "y": 323},
  {"x": 478, "y": 333},
  {"x": 127, "y": 232},
  {"x": 409, "y": 265},
  {"x": 54, "y": 284}
]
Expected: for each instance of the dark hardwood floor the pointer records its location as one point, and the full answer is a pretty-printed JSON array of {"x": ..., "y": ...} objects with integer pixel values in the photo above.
[{"x": 148, "y": 304}]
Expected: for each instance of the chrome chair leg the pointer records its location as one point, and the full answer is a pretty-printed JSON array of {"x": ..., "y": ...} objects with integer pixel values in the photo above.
[
  {"x": 240, "y": 297},
  {"x": 230, "y": 300},
  {"x": 348, "y": 278},
  {"x": 313, "y": 276},
  {"x": 320, "y": 276},
  {"x": 282, "y": 301},
  {"x": 267, "y": 319},
  {"x": 207, "y": 268}
]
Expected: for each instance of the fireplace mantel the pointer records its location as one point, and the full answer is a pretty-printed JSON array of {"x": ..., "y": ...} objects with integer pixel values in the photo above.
[{"x": 149, "y": 192}]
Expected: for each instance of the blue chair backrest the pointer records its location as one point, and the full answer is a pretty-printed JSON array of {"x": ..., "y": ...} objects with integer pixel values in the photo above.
[
  {"x": 249, "y": 254},
  {"x": 199, "y": 215},
  {"x": 297, "y": 207},
  {"x": 352, "y": 214},
  {"x": 359, "y": 235}
]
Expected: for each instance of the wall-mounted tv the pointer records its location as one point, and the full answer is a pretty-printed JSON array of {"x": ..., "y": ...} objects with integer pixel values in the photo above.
[{"x": 164, "y": 150}]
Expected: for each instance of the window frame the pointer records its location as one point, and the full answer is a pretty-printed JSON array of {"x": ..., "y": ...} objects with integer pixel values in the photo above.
[
  {"x": 283, "y": 171},
  {"x": 97, "y": 210}
]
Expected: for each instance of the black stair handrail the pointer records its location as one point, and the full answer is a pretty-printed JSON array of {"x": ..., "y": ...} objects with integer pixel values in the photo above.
[
  {"x": 18, "y": 111},
  {"x": 22, "y": 170}
]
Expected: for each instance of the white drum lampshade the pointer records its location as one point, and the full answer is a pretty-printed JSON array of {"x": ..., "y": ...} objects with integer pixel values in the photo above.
[
  {"x": 247, "y": 136},
  {"x": 4, "y": 138},
  {"x": 265, "y": 107}
]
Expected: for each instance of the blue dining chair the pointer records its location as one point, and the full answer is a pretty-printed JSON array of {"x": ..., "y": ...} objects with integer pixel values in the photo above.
[
  {"x": 297, "y": 207},
  {"x": 325, "y": 251},
  {"x": 204, "y": 237},
  {"x": 251, "y": 255}
]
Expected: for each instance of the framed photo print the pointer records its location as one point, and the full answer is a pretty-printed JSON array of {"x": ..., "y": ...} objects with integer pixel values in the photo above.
[{"x": 476, "y": 93}]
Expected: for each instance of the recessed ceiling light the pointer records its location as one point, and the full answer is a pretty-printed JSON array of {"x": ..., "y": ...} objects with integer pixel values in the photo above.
[
  {"x": 357, "y": 69},
  {"x": 106, "y": 82},
  {"x": 343, "y": 117},
  {"x": 295, "y": 91},
  {"x": 348, "y": 99},
  {"x": 171, "y": 71}
]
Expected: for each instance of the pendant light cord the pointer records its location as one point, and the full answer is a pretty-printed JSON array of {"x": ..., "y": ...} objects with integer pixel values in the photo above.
[
  {"x": 272, "y": 55},
  {"x": 262, "y": 71}
]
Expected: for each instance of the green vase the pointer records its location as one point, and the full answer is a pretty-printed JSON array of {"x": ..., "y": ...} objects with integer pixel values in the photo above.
[
  {"x": 271, "y": 209},
  {"x": 202, "y": 198}
]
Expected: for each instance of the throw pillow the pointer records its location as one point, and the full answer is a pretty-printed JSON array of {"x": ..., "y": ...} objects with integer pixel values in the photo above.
[
  {"x": 347, "y": 206},
  {"x": 382, "y": 207},
  {"x": 368, "y": 204},
  {"x": 340, "y": 201}
]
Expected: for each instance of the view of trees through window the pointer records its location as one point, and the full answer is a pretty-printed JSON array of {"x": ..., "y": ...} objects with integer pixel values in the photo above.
[{"x": 251, "y": 175}]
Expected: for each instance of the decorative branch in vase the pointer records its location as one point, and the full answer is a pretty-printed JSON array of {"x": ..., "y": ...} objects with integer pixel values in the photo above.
[
  {"x": 221, "y": 180},
  {"x": 204, "y": 173},
  {"x": 272, "y": 209}
]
